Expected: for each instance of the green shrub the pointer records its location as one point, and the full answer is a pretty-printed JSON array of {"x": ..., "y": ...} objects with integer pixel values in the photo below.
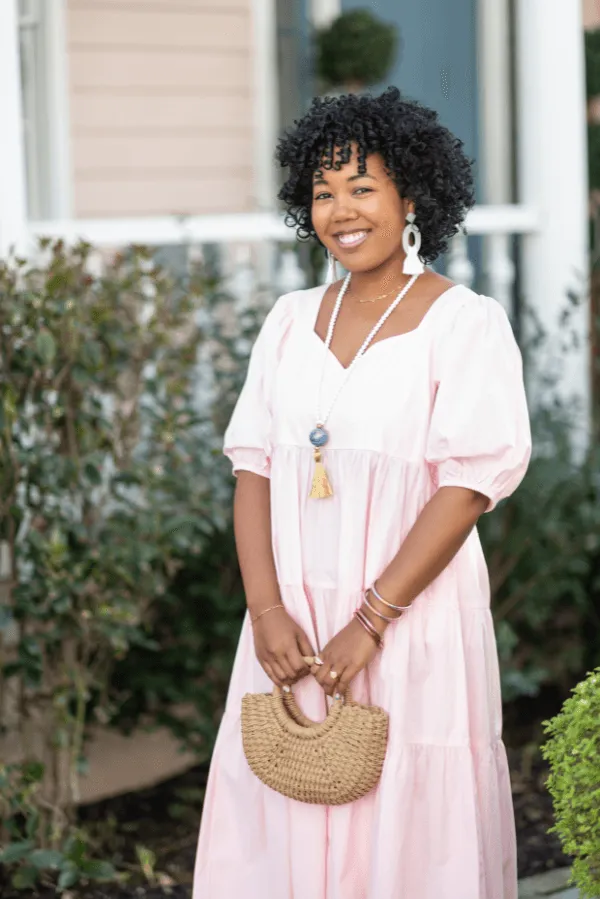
[
  {"x": 573, "y": 752},
  {"x": 592, "y": 62},
  {"x": 196, "y": 621},
  {"x": 357, "y": 49},
  {"x": 103, "y": 487},
  {"x": 543, "y": 544}
]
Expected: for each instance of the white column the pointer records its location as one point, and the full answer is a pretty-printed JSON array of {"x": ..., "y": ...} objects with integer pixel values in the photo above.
[
  {"x": 57, "y": 62},
  {"x": 266, "y": 125},
  {"x": 552, "y": 165},
  {"x": 266, "y": 80},
  {"x": 12, "y": 156},
  {"x": 495, "y": 149},
  {"x": 323, "y": 12}
]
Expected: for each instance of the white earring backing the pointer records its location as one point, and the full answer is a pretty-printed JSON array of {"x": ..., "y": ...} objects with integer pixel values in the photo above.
[{"x": 412, "y": 263}]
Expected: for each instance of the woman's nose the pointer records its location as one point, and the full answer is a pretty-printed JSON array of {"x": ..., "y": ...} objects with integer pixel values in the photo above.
[{"x": 342, "y": 210}]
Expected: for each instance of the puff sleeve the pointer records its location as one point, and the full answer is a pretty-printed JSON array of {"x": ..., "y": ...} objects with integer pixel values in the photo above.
[
  {"x": 479, "y": 434},
  {"x": 247, "y": 439}
]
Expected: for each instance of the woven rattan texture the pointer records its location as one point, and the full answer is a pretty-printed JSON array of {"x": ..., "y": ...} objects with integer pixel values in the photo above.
[{"x": 323, "y": 763}]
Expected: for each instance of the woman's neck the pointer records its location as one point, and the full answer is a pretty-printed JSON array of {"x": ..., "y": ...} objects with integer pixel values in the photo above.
[{"x": 386, "y": 277}]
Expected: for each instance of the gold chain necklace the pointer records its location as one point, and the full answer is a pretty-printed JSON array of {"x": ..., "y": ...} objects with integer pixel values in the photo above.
[{"x": 381, "y": 296}]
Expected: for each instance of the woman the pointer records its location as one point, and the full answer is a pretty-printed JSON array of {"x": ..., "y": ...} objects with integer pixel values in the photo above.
[{"x": 359, "y": 485}]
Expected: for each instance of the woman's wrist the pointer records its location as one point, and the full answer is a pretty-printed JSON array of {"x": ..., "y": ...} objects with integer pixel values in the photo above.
[
  {"x": 389, "y": 598},
  {"x": 380, "y": 611},
  {"x": 258, "y": 601},
  {"x": 377, "y": 623},
  {"x": 254, "y": 617}
]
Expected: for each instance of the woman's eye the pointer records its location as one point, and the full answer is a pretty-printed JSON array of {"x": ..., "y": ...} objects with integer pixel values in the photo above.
[
  {"x": 366, "y": 189},
  {"x": 322, "y": 196}
]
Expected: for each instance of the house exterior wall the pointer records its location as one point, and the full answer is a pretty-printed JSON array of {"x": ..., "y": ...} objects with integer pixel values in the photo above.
[
  {"x": 591, "y": 13},
  {"x": 161, "y": 106}
]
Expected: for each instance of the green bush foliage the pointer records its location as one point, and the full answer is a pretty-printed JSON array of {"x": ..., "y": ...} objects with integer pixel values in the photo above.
[
  {"x": 180, "y": 677},
  {"x": 103, "y": 486},
  {"x": 593, "y": 131},
  {"x": 543, "y": 544},
  {"x": 573, "y": 752},
  {"x": 592, "y": 62},
  {"x": 357, "y": 49}
]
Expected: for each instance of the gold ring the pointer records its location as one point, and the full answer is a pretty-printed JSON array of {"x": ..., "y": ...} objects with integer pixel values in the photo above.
[{"x": 333, "y": 675}]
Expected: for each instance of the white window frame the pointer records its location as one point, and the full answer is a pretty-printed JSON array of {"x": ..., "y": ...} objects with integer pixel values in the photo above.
[{"x": 45, "y": 86}]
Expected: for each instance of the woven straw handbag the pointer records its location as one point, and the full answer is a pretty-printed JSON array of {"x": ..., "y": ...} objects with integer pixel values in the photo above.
[{"x": 331, "y": 762}]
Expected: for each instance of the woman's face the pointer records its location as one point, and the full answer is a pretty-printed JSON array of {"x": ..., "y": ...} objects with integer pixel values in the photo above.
[{"x": 359, "y": 218}]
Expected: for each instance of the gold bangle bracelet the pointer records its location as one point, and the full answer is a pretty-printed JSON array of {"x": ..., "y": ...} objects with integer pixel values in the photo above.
[{"x": 279, "y": 605}]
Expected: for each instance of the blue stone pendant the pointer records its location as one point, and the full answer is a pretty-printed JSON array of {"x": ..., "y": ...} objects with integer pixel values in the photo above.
[
  {"x": 318, "y": 437},
  {"x": 321, "y": 488}
]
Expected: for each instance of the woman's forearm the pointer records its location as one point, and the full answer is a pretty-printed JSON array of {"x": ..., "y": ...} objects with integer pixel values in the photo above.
[
  {"x": 252, "y": 526},
  {"x": 435, "y": 538}
]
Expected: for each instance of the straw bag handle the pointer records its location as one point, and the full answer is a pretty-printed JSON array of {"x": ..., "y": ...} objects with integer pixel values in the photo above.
[{"x": 310, "y": 661}]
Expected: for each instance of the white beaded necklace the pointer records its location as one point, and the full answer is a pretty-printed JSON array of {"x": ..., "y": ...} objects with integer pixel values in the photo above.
[{"x": 318, "y": 437}]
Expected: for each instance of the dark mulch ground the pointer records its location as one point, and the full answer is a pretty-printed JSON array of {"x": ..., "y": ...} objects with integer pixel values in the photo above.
[{"x": 165, "y": 819}]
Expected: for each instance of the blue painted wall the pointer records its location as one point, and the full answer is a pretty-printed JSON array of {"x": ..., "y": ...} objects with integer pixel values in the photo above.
[{"x": 436, "y": 63}]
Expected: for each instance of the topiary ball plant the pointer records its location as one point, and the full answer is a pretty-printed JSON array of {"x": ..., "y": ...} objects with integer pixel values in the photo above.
[
  {"x": 355, "y": 51},
  {"x": 573, "y": 751}
]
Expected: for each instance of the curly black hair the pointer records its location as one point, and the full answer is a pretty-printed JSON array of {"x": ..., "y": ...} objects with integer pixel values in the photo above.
[{"x": 424, "y": 158}]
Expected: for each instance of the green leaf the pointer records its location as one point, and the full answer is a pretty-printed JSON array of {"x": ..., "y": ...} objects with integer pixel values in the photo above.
[
  {"x": 75, "y": 850},
  {"x": 98, "y": 870},
  {"x": 92, "y": 473},
  {"x": 25, "y": 878},
  {"x": 14, "y": 852},
  {"x": 46, "y": 858},
  {"x": 68, "y": 877},
  {"x": 45, "y": 346}
]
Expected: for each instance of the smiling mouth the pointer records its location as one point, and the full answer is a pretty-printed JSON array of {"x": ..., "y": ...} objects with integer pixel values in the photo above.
[{"x": 351, "y": 239}]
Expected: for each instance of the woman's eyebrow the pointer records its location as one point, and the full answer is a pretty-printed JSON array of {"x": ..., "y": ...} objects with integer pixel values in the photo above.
[
  {"x": 364, "y": 175},
  {"x": 319, "y": 178}
]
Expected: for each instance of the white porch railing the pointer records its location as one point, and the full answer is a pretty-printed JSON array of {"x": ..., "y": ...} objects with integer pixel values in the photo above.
[{"x": 258, "y": 248}]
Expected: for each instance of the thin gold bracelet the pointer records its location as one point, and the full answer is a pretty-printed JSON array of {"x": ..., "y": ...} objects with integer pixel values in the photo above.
[{"x": 279, "y": 605}]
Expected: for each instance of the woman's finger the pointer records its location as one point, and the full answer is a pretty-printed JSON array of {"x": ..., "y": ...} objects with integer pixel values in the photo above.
[
  {"x": 271, "y": 674},
  {"x": 304, "y": 645},
  {"x": 333, "y": 681},
  {"x": 324, "y": 676},
  {"x": 346, "y": 678},
  {"x": 297, "y": 663},
  {"x": 280, "y": 673}
]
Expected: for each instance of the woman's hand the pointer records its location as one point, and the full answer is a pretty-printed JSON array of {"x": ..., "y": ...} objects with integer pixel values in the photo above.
[
  {"x": 351, "y": 650},
  {"x": 279, "y": 644}
]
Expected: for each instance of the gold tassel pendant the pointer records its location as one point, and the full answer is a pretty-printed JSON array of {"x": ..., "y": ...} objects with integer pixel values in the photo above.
[{"x": 321, "y": 488}]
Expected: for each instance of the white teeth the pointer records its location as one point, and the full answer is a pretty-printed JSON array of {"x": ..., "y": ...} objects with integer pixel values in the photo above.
[{"x": 349, "y": 240}]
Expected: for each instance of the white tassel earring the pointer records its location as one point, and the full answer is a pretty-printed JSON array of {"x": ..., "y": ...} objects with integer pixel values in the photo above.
[
  {"x": 331, "y": 268},
  {"x": 412, "y": 263}
]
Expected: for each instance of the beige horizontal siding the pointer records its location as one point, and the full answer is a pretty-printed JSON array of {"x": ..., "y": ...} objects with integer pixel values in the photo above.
[
  {"x": 175, "y": 5},
  {"x": 125, "y": 27},
  {"x": 161, "y": 106},
  {"x": 113, "y": 112},
  {"x": 591, "y": 13},
  {"x": 162, "y": 193},
  {"x": 161, "y": 152}
]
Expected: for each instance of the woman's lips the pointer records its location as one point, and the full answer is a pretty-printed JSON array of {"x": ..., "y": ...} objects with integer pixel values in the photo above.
[{"x": 351, "y": 239}]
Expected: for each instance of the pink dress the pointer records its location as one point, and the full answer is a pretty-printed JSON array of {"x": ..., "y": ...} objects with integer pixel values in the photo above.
[{"x": 441, "y": 405}]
